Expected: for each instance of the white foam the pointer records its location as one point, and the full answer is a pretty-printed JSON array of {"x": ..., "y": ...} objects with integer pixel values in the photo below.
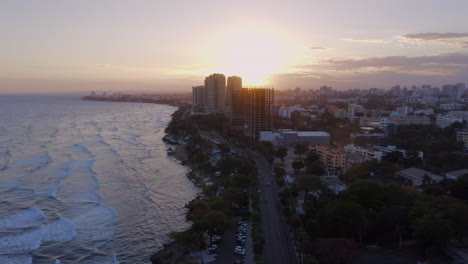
[
  {"x": 78, "y": 197},
  {"x": 16, "y": 259},
  {"x": 61, "y": 230},
  {"x": 102, "y": 260},
  {"x": 36, "y": 161},
  {"x": 26, "y": 218},
  {"x": 96, "y": 224},
  {"x": 22, "y": 243},
  {"x": 91, "y": 123},
  {"x": 48, "y": 189}
]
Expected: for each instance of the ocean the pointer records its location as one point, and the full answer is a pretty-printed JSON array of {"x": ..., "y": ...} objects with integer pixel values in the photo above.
[{"x": 85, "y": 181}]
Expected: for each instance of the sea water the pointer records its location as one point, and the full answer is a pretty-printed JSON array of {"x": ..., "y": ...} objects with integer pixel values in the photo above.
[{"x": 86, "y": 182}]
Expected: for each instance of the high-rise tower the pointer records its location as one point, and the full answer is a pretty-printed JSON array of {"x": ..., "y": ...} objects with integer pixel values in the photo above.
[{"x": 215, "y": 92}]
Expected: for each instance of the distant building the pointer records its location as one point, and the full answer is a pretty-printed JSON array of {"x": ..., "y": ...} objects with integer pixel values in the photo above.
[
  {"x": 215, "y": 92},
  {"x": 353, "y": 109},
  {"x": 356, "y": 154},
  {"x": 401, "y": 120},
  {"x": 462, "y": 136},
  {"x": 336, "y": 112},
  {"x": 286, "y": 112},
  {"x": 404, "y": 110},
  {"x": 369, "y": 121},
  {"x": 451, "y": 107},
  {"x": 375, "y": 135},
  {"x": 234, "y": 86},
  {"x": 389, "y": 149},
  {"x": 456, "y": 174},
  {"x": 460, "y": 114},
  {"x": 290, "y": 138},
  {"x": 418, "y": 177},
  {"x": 252, "y": 111},
  {"x": 428, "y": 111},
  {"x": 331, "y": 158},
  {"x": 446, "y": 120},
  {"x": 198, "y": 97},
  {"x": 396, "y": 90},
  {"x": 454, "y": 92}
]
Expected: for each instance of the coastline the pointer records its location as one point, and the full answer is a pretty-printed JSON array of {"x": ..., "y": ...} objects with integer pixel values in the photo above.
[
  {"x": 174, "y": 249},
  {"x": 134, "y": 99}
]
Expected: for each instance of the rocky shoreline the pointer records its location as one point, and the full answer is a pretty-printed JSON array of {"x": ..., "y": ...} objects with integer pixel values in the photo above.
[
  {"x": 134, "y": 99},
  {"x": 174, "y": 249}
]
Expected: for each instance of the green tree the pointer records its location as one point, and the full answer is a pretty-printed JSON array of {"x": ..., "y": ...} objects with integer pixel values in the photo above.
[
  {"x": 300, "y": 149},
  {"x": 294, "y": 221},
  {"x": 459, "y": 188},
  {"x": 214, "y": 220},
  {"x": 343, "y": 219},
  {"x": 224, "y": 148},
  {"x": 297, "y": 165},
  {"x": 367, "y": 194},
  {"x": 307, "y": 183},
  {"x": 281, "y": 153},
  {"x": 432, "y": 233},
  {"x": 360, "y": 171},
  {"x": 313, "y": 164}
]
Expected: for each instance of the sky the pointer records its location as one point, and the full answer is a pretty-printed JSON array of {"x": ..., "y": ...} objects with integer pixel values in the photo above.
[{"x": 170, "y": 46}]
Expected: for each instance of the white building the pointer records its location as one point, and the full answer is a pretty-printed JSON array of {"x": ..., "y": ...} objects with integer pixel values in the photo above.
[
  {"x": 198, "y": 96},
  {"x": 456, "y": 174},
  {"x": 389, "y": 149},
  {"x": 356, "y": 154},
  {"x": 460, "y": 114},
  {"x": 446, "y": 120},
  {"x": 404, "y": 110},
  {"x": 450, "y": 107},
  {"x": 286, "y": 112},
  {"x": 428, "y": 111},
  {"x": 288, "y": 137},
  {"x": 416, "y": 177}
]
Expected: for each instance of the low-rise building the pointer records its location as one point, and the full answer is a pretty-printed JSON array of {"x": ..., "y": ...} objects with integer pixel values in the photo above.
[
  {"x": 356, "y": 154},
  {"x": 331, "y": 158},
  {"x": 290, "y": 138},
  {"x": 462, "y": 136},
  {"x": 404, "y": 110},
  {"x": 401, "y": 120},
  {"x": 389, "y": 149},
  {"x": 287, "y": 111},
  {"x": 369, "y": 121},
  {"x": 454, "y": 106},
  {"x": 418, "y": 177},
  {"x": 456, "y": 174},
  {"x": 446, "y": 120}
]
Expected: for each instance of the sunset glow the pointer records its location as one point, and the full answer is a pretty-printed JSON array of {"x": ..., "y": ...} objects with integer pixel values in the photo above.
[
  {"x": 254, "y": 54},
  {"x": 79, "y": 45}
]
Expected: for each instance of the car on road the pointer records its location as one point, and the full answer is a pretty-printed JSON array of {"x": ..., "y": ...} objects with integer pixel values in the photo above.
[
  {"x": 213, "y": 247},
  {"x": 240, "y": 251},
  {"x": 216, "y": 238}
]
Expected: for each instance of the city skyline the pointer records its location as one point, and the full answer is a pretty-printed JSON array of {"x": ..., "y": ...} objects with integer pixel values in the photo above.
[{"x": 168, "y": 47}]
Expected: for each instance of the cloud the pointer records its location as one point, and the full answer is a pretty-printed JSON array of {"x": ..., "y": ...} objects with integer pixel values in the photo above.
[
  {"x": 317, "y": 48},
  {"x": 438, "y": 69},
  {"x": 440, "y": 64},
  {"x": 435, "y": 36},
  {"x": 380, "y": 41}
]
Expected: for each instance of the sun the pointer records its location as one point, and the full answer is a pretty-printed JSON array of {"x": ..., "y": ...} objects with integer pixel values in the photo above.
[{"x": 254, "y": 54}]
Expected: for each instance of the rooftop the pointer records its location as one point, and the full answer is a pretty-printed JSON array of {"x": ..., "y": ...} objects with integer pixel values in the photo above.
[
  {"x": 457, "y": 173},
  {"x": 415, "y": 173}
]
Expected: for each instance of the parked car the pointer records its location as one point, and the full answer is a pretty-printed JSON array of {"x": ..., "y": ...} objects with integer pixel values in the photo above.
[
  {"x": 213, "y": 247},
  {"x": 216, "y": 238}
]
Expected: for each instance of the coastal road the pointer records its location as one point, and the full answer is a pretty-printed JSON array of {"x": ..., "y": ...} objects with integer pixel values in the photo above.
[{"x": 278, "y": 247}]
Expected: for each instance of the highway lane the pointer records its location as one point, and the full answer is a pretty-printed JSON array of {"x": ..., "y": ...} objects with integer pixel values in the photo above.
[{"x": 278, "y": 247}]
